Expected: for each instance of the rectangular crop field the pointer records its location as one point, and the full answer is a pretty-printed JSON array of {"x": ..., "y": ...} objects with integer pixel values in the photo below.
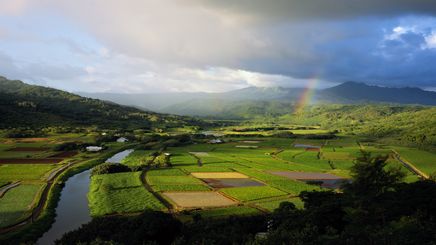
[
  {"x": 14, "y": 172},
  {"x": 199, "y": 199},
  {"x": 219, "y": 175},
  {"x": 252, "y": 193},
  {"x": 172, "y": 180}
]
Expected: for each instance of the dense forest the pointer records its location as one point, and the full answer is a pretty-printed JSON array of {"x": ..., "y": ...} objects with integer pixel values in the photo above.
[
  {"x": 24, "y": 105},
  {"x": 375, "y": 208}
]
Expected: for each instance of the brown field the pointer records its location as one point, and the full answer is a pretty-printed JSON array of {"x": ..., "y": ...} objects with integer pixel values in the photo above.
[
  {"x": 29, "y": 140},
  {"x": 224, "y": 183},
  {"x": 219, "y": 175},
  {"x": 306, "y": 175},
  {"x": 247, "y": 146},
  {"x": 200, "y": 154},
  {"x": 199, "y": 199},
  {"x": 312, "y": 149},
  {"x": 30, "y": 160},
  {"x": 65, "y": 154},
  {"x": 29, "y": 149},
  {"x": 250, "y": 141}
]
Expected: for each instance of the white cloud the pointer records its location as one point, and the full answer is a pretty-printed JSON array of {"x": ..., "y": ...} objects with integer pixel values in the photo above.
[{"x": 430, "y": 40}]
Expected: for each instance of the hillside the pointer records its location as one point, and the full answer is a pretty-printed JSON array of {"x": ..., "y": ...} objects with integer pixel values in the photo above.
[
  {"x": 28, "y": 105},
  {"x": 406, "y": 125},
  {"x": 353, "y": 92}
]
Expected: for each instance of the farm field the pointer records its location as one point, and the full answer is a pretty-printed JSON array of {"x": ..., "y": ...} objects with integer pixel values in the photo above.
[
  {"x": 226, "y": 176},
  {"x": 423, "y": 160},
  {"x": 120, "y": 193},
  {"x": 18, "y": 202},
  {"x": 32, "y": 162},
  {"x": 260, "y": 177}
]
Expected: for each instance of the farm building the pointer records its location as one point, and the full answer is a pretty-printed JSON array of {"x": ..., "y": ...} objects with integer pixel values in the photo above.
[
  {"x": 215, "y": 141},
  {"x": 94, "y": 148},
  {"x": 122, "y": 140}
]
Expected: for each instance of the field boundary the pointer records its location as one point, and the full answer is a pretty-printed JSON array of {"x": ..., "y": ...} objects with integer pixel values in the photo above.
[
  {"x": 6, "y": 188},
  {"x": 168, "y": 205},
  {"x": 409, "y": 165}
]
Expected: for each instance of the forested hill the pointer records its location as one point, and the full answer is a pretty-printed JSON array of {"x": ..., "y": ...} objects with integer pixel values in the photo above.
[
  {"x": 22, "y": 104},
  {"x": 353, "y": 92}
]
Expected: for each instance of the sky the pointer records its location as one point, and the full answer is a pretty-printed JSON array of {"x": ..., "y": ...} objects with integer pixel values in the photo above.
[{"x": 149, "y": 46}]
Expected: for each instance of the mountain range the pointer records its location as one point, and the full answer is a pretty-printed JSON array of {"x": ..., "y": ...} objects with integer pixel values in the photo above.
[{"x": 266, "y": 100}]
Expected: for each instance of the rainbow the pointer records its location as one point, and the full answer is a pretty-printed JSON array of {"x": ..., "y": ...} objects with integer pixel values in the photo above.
[{"x": 306, "y": 96}]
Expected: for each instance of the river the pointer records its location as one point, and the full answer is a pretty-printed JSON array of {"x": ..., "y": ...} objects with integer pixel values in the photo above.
[{"x": 72, "y": 210}]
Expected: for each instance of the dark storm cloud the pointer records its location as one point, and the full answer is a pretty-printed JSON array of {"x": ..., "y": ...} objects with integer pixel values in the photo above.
[{"x": 323, "y": 9}]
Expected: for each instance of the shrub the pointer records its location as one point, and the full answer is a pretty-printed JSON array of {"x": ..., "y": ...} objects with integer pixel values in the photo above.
[{"x": 110, "y": 168}]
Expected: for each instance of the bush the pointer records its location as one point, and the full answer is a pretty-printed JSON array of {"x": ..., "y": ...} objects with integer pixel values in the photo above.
[
  {"x": 68, "y": 146},
  {"x": 110, "y": 168}
]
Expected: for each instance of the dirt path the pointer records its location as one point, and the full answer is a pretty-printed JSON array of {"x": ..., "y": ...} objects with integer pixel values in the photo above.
[
  {"x": 6, "y": 188},
  {"x": 409, "y": 166}
]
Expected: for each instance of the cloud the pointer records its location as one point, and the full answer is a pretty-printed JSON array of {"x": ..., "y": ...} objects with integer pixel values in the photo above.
[
  {"x": 179, "y": 45},
  {"x": 311, "y": 10}
]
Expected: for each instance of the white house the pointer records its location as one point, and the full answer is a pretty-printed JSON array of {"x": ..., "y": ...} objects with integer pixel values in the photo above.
[
  {"x": 94, "y": 148},
  {"x": 215, "y": 141},
  {"x": 122, "y": 140}
]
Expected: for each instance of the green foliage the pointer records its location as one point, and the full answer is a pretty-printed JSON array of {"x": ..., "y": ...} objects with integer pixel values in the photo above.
[
  {"x": 271, "y": 205},
  {"x": 150, "y": 227},
  {"x": 109, "y": 168}
]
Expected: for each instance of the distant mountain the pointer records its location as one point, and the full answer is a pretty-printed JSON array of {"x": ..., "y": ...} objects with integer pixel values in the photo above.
[
  {"x": 254, "y": 102},
  {"x": 353, "y": 92},
  {"x": 22, "y": 104},
  {"x": 168, "y": 102}
]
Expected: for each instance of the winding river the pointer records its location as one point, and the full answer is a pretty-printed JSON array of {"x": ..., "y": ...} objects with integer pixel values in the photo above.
[{"x": 72, "y": 210}]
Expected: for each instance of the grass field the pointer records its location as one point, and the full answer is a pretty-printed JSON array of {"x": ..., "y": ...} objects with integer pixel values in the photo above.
[
  {"x": 17, "y": 202},
  {"x": 423, "y": 160},
  {"x": 120, "y": 193},
  {"x": 31, "y": 172}
]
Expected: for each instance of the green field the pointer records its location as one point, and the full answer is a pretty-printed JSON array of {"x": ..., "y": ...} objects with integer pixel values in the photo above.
[
  {"x": 17, "y": 203},
  {"x": 252, "y": 193},
  {"x": 24, "y": 172},
  {"x": 120, "y": 193},
  {"x": 423, "y": 160}
]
